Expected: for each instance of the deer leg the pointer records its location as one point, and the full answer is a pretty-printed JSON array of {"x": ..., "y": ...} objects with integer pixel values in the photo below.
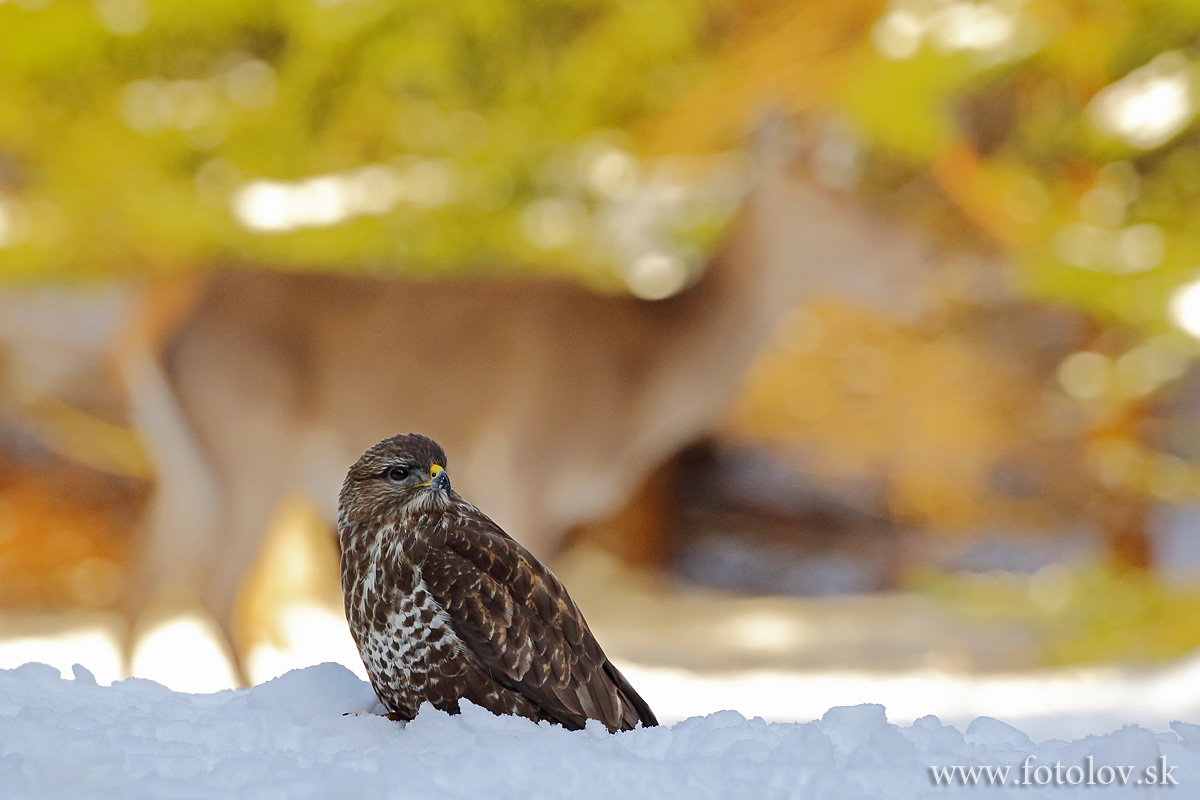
[
  {"x": 248, "y": 515},
  {"x": 177, "y": 532},
  {"x": 253, "y": 454},
  {"x": 244, "y": 430}
]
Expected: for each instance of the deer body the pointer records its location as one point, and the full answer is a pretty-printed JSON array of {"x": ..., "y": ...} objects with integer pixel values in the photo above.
[{"x": 554, "y": 402}]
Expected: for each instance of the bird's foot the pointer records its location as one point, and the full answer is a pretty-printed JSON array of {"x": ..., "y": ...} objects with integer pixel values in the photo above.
[{"x": 392, "y": 715}]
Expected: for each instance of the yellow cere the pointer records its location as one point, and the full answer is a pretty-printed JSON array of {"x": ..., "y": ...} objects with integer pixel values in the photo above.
[{"x": 434, "y": 471}]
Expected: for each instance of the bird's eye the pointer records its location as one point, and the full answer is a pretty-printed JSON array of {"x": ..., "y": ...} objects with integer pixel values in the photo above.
[{"x": 397, "y": 474}]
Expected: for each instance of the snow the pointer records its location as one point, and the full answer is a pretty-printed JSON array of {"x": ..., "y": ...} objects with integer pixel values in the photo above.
[
  {"x": 1045, "y": 704},
  {"x": 293, "y": 738}
]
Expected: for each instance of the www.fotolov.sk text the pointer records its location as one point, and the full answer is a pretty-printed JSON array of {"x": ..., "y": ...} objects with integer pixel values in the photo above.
[{"x": 1030, "y": 773}]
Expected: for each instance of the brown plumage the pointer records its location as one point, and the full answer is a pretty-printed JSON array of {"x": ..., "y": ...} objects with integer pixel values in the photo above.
[{"x": 444, "y": 605}]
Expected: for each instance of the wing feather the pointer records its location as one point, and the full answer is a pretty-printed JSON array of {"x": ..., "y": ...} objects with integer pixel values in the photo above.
[{"x": 524, "y": 629}]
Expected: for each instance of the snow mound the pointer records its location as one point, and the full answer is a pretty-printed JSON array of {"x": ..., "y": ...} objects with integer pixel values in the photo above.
[{"x": 315, "y": 733}]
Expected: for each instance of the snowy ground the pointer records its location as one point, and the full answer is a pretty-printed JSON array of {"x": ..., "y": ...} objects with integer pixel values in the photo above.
[
  {"x": 1049, "y": 704},
  {"x": 290, "y": 738},
  {"x": 183, "y": 654},
  {"x": 812, "y": 727}
]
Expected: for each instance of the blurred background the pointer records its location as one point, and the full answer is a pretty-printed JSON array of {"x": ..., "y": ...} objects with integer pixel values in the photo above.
[{"x": 918, "y": 422}]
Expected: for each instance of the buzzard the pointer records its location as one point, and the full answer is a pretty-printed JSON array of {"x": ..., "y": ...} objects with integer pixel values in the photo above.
[{"x": 445, "y": 606}]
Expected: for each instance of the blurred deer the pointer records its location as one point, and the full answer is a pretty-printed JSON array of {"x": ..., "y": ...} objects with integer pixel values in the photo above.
[{"x": 554, "y": 403}]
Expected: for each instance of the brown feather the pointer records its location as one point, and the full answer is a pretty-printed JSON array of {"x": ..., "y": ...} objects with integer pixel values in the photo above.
[{"x": 463, "y": 610}]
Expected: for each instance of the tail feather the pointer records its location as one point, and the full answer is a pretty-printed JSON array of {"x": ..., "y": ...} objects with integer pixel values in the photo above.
[{"x": 636, "y": 709}]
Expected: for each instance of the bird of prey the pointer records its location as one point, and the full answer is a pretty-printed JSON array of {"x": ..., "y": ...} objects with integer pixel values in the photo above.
[{"x": 445, "y": 606}]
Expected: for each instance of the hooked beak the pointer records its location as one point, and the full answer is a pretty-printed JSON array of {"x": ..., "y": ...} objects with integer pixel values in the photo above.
[{"x": 440, "y": 479}]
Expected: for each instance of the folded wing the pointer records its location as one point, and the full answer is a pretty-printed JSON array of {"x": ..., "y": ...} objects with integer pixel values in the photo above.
[{"x": 524, "y": 629}]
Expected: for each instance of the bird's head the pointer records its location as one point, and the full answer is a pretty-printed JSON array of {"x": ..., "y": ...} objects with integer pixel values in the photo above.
[{"x": 401, "y": 475}]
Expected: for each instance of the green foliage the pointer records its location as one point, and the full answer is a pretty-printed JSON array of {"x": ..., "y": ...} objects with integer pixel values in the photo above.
[
  {"x": 126, "y": 128},
  {"x": 1083, "y": 616},
  {"x": 1017, "y": 137}
]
